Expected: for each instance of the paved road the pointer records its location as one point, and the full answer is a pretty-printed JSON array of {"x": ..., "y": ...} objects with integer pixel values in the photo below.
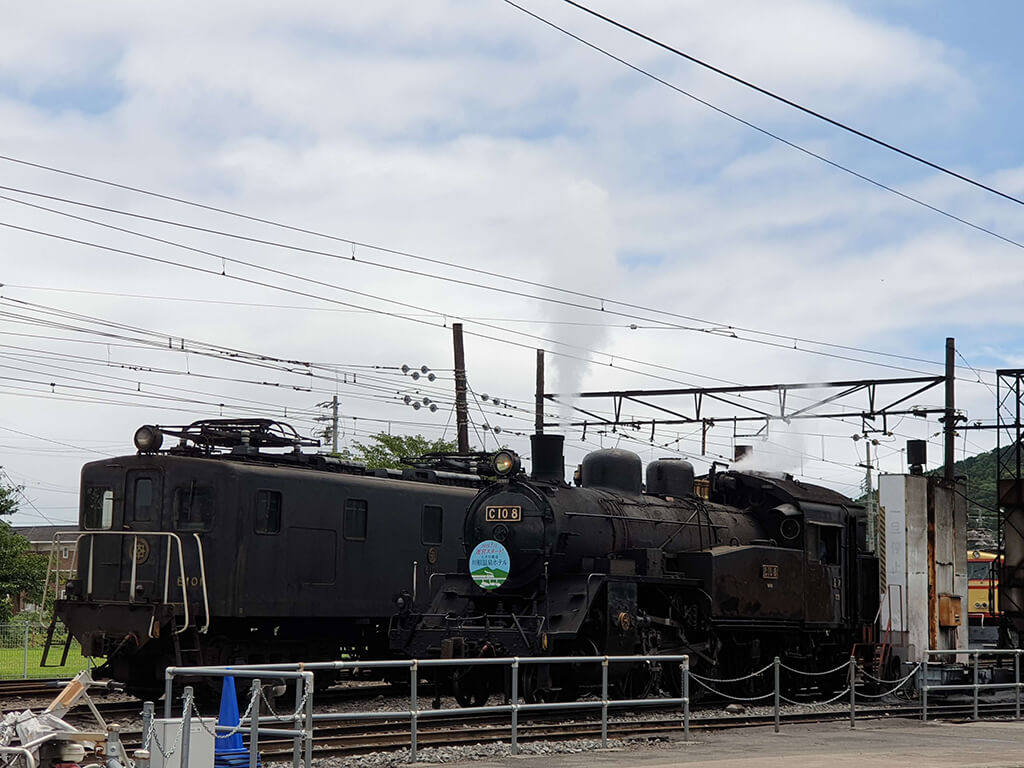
[{"x": 874, "y": 743}]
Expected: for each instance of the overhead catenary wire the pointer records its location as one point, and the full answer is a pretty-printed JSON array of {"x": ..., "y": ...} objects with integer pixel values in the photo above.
[
  {"x": 419, "y": 273},
  {"x": 277, "y": 272},
  {"x": 794, "y": 104},
  {"x": 406, "y": 254},
  {"x": 776, "y": 136}
]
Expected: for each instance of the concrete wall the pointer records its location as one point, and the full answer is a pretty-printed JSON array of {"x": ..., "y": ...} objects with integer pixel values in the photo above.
[{"x": 908, "y": 603}]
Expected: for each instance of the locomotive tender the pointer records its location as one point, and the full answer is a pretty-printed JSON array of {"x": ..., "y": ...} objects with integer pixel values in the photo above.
[
  {"x": 217, "y": 551},
  {"x": 764, "y": 566}
]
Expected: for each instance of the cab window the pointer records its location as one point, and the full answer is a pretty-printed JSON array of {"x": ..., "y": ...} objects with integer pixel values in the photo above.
[
  {"x": 192, "y": 507},
  {"x": 431, "y": 525},
  {"x": 268, "y": 511},
  {"x": 354, "y": 522},
  {"x": 824, "y": 543},
  {"x": 97, "y": 508},
  {"x": 143, "y": 499},
  {"x": 978, "y": 570}
]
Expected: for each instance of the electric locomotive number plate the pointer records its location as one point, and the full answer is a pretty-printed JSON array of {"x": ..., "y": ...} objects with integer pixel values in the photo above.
[
  {"x": 769, "y": 571},
  {"x": 503, "y": 514}
]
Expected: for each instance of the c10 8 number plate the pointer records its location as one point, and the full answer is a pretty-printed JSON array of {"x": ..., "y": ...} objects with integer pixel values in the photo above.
[{"x": 503, "y": 514}]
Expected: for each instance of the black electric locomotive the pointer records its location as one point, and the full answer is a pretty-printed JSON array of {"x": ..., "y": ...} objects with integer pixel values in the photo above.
[
  {"x": 220, "y": 550},
  {"x": 757, "y": 566}
]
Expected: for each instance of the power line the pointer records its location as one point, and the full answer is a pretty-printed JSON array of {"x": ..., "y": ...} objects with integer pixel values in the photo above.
[
  {"x": 406, "y": 254},
  {"x": 770, "y": 134},
  {"x": 418, "y": 273},
  {"x": 789, "y": 102}
]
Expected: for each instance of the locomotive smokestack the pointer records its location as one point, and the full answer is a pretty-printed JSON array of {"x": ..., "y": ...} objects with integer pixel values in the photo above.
[{"x": 548, "y": 459}]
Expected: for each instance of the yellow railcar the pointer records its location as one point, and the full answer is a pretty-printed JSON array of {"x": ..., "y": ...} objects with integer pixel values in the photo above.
[{"x": 982, "y": 587}]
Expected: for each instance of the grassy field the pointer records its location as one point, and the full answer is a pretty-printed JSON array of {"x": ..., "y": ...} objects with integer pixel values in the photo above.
[{"x": 12, "y": 662}]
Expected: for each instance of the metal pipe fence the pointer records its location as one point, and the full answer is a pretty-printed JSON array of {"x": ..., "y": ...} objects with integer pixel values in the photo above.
[
  {"x": 845, "y": 676},
  {"x": 21, "y": 650},
  {"x": 932, "y": 669}
]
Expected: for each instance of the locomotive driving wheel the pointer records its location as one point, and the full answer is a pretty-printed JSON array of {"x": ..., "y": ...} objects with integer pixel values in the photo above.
[{"x": 470, "y": 686}]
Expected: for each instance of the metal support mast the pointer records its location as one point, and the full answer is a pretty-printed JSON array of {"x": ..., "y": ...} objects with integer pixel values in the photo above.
[{"x": 461, "y": 409}]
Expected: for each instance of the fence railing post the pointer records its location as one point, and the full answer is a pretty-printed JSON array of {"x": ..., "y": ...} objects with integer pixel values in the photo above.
[
  {"x": 297, "y": 717},
  {"x": 975, "y": 716},
  {"x": 186, "y": 727},
  {"x": 254, "y": 724},
  {"x": 1016, "y": 679},
  {"x": 147, "y": 723},
  {"x": 25, "y": 668},
  {"x": 852, "y": 675},
  {"x": 308, "y": 724},
  {"x": 515, "y": 705},
  {"x": 414, "y": 679},
  {"x": 775, "y": 665},
  {"x": 923, "y": 673},
  {"x": 686, "y": 697},
  {"x": 604, "y": 703}
]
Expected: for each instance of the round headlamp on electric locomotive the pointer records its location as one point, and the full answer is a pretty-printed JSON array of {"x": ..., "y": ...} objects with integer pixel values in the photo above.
[{"x": 148, "y": 439}]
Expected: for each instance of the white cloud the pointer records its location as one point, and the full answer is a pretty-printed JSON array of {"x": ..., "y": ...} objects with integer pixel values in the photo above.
[{"x": 466, "y": 131}]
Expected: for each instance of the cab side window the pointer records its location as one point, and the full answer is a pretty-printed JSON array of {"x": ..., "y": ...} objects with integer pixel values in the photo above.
[
  {"x": 268, "y": 511},
  {"x": 143, "y": 496},
  {"x": 824, "y": 543},
  {"x": 192, "y": 507},
  {"x": 432, "y": 525},
  {"x": 354, "y": 521},
  {"x": 97, "y": 508}
]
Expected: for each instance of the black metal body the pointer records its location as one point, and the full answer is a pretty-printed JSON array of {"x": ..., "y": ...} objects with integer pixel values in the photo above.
[
  {"x": 765, "y": 566},
  {"x": 274, "y": 556}
]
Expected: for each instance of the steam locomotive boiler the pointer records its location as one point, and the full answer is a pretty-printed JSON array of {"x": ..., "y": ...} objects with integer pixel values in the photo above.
[{"x": 765, "y": 565}]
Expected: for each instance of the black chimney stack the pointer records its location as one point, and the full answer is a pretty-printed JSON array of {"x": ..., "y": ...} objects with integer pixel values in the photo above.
[{"x": 548, "y": 458}]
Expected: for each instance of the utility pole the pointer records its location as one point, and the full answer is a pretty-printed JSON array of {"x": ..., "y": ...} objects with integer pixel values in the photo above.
[
  {"x": 461, "y": 409},
  {"x": 949, "y": 425},
  {"x": 332, "y": 430},
  {"x": 334, "y": 424},
  {"x": 872, "y": 517},
  {"x": 538, "y": 421}
]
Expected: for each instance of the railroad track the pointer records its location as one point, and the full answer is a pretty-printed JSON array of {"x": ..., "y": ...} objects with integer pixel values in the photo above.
[
  {"x": 389, "y": 733},
  {"x": 24, "y": 688},
  {"x": 357, "y": 738}
]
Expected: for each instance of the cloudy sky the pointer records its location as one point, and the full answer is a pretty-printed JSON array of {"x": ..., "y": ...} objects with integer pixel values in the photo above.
[{"x": 459, "y": 160}]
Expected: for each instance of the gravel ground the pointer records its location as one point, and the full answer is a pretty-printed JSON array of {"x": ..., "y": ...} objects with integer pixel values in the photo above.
[{"x": 440, "y": 755}]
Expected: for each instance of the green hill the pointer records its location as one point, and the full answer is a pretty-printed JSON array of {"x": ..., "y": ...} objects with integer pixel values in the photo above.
[{"x": 980, "y": 472}]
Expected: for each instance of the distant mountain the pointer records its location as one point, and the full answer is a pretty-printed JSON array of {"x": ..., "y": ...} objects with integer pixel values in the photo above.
[
  {"x": 982, "y": 519},
  {"x": 980, "y": 472}
]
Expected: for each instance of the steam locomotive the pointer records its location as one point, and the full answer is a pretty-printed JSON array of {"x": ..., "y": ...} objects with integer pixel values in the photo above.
[
  {"x": 759, "y": 565},
  {"x": 220, "y": 550}
]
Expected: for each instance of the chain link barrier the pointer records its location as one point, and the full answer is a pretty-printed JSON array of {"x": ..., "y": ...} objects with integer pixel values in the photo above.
[
  {"x": 731, "y": 679},
  {"x": 298, "y": 714},
  {"x": 842, "y": 666},
  {"x": 811, "y": 704},
  {"x": 900, "y": 683},
  {"x": 156, "y": 740},
  {"x": 735, "y": 698},
  {"x": 238, "y": 728}
]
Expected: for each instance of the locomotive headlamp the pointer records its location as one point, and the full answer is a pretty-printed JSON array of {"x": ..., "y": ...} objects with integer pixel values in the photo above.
[
  {"x": 505, "y": 463},
  {"x": 148, "y": 439}
]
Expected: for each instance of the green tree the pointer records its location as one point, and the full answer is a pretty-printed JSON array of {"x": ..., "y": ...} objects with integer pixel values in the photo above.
[
  {"x": 387, "y": 451},
  {"x": 21, "y": 569}
]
